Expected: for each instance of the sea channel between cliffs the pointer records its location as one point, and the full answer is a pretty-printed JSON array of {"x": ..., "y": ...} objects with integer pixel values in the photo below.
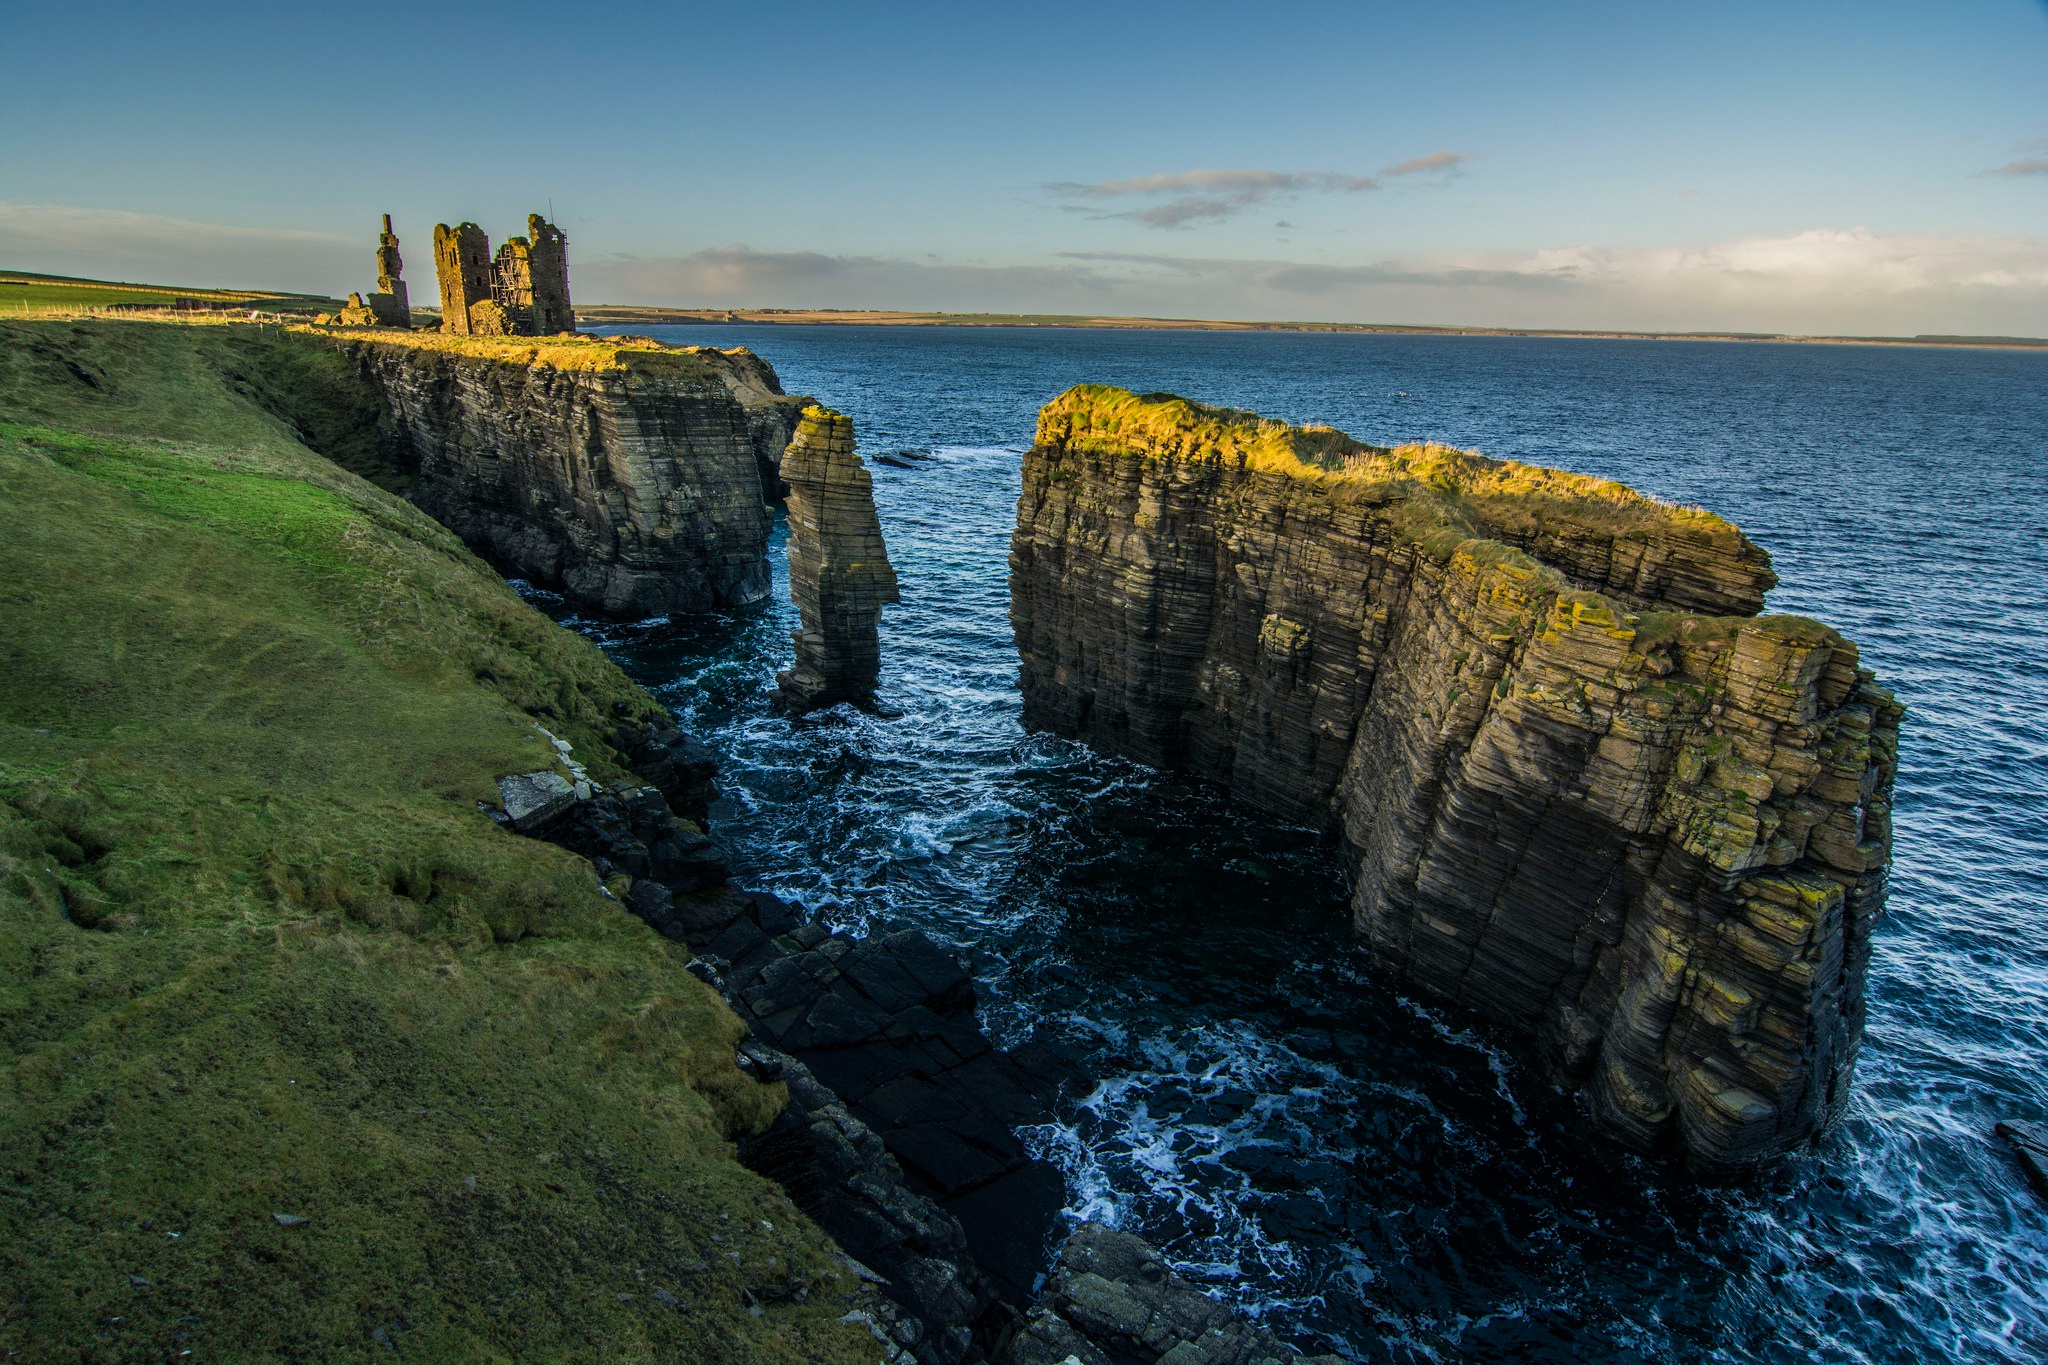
[{"x": 1341, "y": 1156}]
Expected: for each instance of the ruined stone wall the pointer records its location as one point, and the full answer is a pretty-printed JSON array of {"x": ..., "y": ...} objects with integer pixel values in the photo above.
[
  {"x": 1654, "y": 841},
  {"x": 512, "y": 285},
  {"x": 389, "y": 304},
  {"x": 623, "y": 478},
  {"x": 839, "y": 572},
  {"x": 548, "y": 277},
  {"x": 462, "y": 266}
]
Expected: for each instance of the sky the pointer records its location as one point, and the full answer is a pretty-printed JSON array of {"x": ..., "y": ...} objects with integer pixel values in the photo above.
[{"x": 1869, "y": 168}]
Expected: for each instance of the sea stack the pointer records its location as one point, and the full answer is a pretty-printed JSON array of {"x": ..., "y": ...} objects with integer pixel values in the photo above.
[
  {"x": 839, "y": 573},
  {"x": 1584, "y": 789}
]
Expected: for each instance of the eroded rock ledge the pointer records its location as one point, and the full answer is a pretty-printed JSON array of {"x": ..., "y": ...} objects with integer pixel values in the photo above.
[
  {"x": 625, "y": 474},
  {"x": 1113, "y": 1300},
  {"x": 1584, "y": 788}
]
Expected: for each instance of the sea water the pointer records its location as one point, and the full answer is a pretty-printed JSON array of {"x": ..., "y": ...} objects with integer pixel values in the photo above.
[{"x": 1362, "y": 1169}]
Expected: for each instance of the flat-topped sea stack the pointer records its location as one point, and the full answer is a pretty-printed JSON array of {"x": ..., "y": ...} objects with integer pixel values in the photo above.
[
  {"x": 1582, "y": 786},
  {"x": 618, "y": 471},
  {"x": 839, "y": 572}
]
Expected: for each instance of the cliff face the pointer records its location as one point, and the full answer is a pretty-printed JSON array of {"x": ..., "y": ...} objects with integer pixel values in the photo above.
[
  {"x": 1652, "y": 838},
  {"x": 772, "y": 415},
  {"x": 839, "y": 573},
  {"x": 623, "y": 474}
]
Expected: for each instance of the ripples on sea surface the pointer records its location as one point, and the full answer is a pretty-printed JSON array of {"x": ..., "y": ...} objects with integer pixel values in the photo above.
[{"x": 1362, "y": 1170}]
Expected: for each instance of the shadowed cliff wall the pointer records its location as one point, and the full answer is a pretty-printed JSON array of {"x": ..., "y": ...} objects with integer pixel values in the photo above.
[
  {"x": 622, "y": 474},
  {"x": 1655, "y": 840}
]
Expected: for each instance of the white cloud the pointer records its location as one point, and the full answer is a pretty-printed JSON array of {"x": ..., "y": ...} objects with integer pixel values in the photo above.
[
  {"x": 1835, "y": 281},
  {"x": 740, "y": 277},
  {"x": 2025, "y": 166},
  {"x": 1831, "y": 280},
  {"x": 1431, "y": 164},
  {"x": 1256, "y": 182},
  {"x": 57, "y": 239},
  {"x": 1207, "y": 196}
]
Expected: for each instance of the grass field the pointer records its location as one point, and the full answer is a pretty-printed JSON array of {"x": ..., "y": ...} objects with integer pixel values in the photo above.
[
  {"x": 260, "y": 952},
  {"x": 22, "y": 293}
]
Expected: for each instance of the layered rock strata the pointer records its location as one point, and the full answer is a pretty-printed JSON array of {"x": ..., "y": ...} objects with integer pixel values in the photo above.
[
  {"x": 1584, "y": 789},
  {"x": 772, "y": 415},
  {"x": 839, "y": 572},
  {"x": 900, "y": 1134},
  {"x": 622, "y": 474},
  {"x": 1113, "y": 1300}
]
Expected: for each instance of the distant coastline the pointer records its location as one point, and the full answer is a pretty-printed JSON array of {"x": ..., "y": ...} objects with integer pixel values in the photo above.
[
  {"x": 614, "y": 315},
  {"x": 25, "y": 291}
]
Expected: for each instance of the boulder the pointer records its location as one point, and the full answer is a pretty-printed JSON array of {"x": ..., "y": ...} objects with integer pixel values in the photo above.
[{"x": 532, "y": 800}]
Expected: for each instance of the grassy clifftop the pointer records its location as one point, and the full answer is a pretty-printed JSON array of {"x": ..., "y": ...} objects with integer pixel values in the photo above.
[
  {"x": 576, "y": 353},
  {"x": 1439, "y": 495},
  {"x": 261, "y": 954}
]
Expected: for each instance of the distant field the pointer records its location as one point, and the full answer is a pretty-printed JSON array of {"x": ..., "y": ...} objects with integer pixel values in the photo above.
[
  {"x": 608, "y": 315},
  {"x": 20, "y": 289}
]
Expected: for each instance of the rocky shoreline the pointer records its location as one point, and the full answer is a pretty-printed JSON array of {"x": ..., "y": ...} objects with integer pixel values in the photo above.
[
  {"x": 900, "y": 1136},
  {"x": 635, "y": 481}
]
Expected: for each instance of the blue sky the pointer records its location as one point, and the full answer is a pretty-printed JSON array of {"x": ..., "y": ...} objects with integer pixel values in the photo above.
[{"x": 1867, "y": 167}]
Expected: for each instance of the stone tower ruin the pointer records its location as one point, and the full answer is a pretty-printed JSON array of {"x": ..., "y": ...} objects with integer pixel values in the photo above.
[
  {"x": 389, "y": 304},
  {"x": 548, "y": 260},
  {"x": 462, "y": 262},
  {"x": 524, "y": 291}
]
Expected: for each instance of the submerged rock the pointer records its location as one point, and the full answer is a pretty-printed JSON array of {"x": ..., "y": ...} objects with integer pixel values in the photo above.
[
  {"x": 1583, "y": 789},
  {"x": 2030, "y": 1149},
  {"x": 839, "y": 572}
]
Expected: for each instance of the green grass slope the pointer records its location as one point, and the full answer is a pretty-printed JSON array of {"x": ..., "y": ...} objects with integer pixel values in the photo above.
[
  {"x": 261, "y": 954},
  {"x": 19, "y": 289}
]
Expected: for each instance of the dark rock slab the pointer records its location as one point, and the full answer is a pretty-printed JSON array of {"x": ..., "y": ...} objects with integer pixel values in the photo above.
[{"x": 1113, "y": 1300}]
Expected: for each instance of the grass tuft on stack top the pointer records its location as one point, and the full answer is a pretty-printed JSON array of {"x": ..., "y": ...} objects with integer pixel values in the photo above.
[
  {"x": 261, "y": 954},
  {"x": 1439, "y": 495}
]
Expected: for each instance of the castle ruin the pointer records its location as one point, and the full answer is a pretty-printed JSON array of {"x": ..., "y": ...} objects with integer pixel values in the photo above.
[
  {"x": 387, "y": 307},
  {"x": 524, "y": 291},
  {"x": 389, "y": 303}
]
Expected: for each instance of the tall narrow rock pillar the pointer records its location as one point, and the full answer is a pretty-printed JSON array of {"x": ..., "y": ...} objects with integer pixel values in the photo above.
[{"x": 839, "y": 572}]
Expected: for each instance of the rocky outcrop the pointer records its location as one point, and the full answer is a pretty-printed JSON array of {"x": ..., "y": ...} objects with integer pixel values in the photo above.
[
  {"x": 899, "y": 1138},
  {"x": 839, "y": 573},
  {"x": 1112, "y": 1299},
  {"x": 1583, "y": 788},
  {"x": 621, "y": 473}
]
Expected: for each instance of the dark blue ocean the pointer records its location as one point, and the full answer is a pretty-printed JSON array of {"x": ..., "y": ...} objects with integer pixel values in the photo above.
[{"x": 1367, "y": 1172}]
